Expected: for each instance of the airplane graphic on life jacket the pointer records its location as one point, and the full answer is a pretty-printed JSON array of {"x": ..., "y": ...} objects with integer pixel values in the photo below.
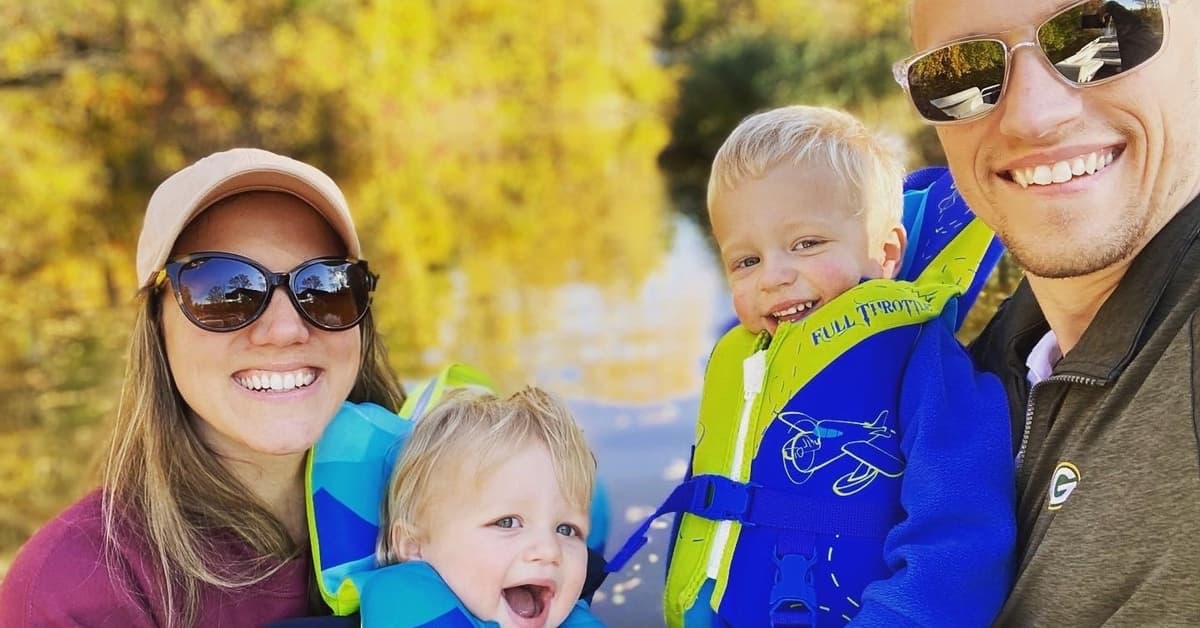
[{"x": 817, "y": 443}]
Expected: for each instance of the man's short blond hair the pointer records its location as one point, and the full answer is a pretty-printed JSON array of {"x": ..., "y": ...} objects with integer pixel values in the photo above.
[
  {"x": 863, "y": 164},
  {"x": 477, "y": 426}
]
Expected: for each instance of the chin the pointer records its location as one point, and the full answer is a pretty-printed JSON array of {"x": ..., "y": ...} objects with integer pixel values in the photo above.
[
  {"x": 284, "y": 443},
  {"x": 1073, "y": 256}
]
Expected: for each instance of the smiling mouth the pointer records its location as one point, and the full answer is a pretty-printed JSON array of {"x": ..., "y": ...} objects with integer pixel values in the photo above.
[
  {"x": 530, "y": 602},
  {"x": 274, "y": 381},
  {"x": 1063, "y": 171},
  {"x": 795, "y": 312}
]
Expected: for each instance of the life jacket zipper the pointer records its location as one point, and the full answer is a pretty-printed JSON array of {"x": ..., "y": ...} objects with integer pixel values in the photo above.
[{"x": 754, "y": 371}]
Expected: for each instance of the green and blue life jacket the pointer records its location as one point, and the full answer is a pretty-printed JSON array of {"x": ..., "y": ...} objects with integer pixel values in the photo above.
[
  {"x": 413, "y": 595},
  {"x": 347, "y": 477},
  {"x": 803, "y": 439}
]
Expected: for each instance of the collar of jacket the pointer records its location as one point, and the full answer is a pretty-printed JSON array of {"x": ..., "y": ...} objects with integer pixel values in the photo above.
[{"x": 1124, "y": 321}]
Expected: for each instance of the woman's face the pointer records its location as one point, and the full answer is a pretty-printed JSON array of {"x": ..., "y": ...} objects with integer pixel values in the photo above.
[{"x": 214, "y": 372}]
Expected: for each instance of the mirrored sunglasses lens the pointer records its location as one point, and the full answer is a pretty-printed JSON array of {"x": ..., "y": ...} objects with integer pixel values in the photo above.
[
  {"x": 1100, "y": 39},
  {"x": 220, "y": 293},
  {"x": 332, "y": 294},
  {"x": 959, "y": 81}
]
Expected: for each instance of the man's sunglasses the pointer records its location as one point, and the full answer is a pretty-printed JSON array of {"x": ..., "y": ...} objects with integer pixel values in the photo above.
[
  {"x": 1087, "y": 43},
  {"x": 226, "y": 292}
]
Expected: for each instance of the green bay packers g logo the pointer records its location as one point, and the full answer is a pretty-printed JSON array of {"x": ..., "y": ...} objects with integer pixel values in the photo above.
[{"x": 1064, "y": 480}]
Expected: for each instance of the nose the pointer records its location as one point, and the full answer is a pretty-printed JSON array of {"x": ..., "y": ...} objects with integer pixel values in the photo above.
[
  {"x": 280, "y": 324},
  {"x": 1037, "y": 103},
  {"x": 776, "y": 273},
  {"x": 544, "y": 547}
]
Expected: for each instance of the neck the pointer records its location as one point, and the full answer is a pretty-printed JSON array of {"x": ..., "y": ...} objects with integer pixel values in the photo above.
[
  {"x": 278, "y": 483},
  {"x": 1070, "y": 305}
]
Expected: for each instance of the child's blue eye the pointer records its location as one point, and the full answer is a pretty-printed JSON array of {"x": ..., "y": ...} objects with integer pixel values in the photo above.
[
  {"x": 506, "y": 522},
  {"x": 806, "y": 243},
  {"x": 567, "y": 529}
]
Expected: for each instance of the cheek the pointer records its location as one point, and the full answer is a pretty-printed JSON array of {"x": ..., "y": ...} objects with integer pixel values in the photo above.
[
  {"x": 185, "y": 347},
  {"x": 343, "y": 349},
  {"x": 835, "y": 275},
  {"x": 743, "y": 301},
  {"x": 745, "y": 304},
  {"x": 575, "y": 558},
  {"x": 579, "y": 554},
  {"x": 960, "y": 150}
]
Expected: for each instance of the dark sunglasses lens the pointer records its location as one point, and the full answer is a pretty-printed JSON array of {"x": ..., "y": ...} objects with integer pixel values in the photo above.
[
  {"x": 1100, "y": 39},
  {"x": 959, "y": 81},
  {"x": 219, "y": 294},
  {"x": 332, "y": 294}
]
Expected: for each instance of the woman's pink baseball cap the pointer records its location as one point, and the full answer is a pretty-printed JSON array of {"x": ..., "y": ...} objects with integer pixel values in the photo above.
[{"x": 187, "y": 193}]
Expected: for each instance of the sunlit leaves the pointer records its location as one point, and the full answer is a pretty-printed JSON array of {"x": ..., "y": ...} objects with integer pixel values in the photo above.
[{"x": 491, "y": 150}]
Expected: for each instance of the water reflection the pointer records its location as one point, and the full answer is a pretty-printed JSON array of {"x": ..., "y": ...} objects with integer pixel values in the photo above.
[
  {"x": 632, "y": 365},
  {"x": 634, "y": 383},
  {"x": 629, "y": 359}
]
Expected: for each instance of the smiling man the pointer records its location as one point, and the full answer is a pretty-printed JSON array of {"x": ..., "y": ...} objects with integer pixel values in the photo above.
[{"x": 1091, "y": 180}]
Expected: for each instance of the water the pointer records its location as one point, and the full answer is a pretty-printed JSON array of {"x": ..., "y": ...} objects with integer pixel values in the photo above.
[{"x": 656, "y": 340}]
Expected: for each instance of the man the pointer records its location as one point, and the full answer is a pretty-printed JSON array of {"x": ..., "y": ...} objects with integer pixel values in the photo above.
[{"x": 1092, "y": 184}]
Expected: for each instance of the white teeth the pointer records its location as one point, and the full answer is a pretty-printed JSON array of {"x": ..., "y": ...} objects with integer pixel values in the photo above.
[
  {"x": 1043, "y": 175},
  {"x": 1019, "y": 177},
  {"x": 795, "y": 309},
  {"x": 281, "y": 382},
  {"x": 1062, "y": 171}
]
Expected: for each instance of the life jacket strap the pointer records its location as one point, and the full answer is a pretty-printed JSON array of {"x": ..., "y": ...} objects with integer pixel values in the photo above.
[{"x": 719, "y": 498}]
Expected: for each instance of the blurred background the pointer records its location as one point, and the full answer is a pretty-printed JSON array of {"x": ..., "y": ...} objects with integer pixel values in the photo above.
[{"x": 528, "y": 179}]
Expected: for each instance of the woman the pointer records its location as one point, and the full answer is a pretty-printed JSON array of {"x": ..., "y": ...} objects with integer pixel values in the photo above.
[{"x": 253, "y": 328}]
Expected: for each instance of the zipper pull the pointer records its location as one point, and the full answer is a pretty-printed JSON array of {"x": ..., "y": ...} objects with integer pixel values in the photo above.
[{"x": 754, "y": 371}]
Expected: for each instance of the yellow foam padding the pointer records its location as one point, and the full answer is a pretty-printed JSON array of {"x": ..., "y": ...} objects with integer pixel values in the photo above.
[
  {"x": 958, "y": 263},
  {"x": 451, "y": 377}
]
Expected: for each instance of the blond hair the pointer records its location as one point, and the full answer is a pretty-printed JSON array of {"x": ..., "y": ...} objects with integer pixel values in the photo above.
[
  {"x": 490, "y": 429},
  {"x": 801, "y": 135},
  {"x": 164, "y": 485}
]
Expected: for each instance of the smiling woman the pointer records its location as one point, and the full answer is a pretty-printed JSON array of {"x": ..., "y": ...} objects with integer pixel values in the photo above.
[{"x": 201, "y": 516}]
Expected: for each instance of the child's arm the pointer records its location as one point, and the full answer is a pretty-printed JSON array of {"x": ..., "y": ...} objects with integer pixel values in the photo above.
[{"x": 952, "y": 556}]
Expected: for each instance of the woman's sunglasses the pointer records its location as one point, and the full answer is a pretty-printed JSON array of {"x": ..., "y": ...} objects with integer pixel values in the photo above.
[
  {"x": 226, "y": 292},
  {"x": 1087, "y": 43}
]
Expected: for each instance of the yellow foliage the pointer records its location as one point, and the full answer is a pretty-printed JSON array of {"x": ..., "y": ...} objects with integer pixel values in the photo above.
[{"x": 492, "y": 151}]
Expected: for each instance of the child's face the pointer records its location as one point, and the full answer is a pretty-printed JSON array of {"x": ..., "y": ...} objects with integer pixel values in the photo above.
[
  {"x": 509, "y": 545},
  {"x": 791, "y": 241}
]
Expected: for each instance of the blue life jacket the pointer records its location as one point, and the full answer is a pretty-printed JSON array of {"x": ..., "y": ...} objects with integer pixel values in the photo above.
[
  {"x": 815, "y": 454},
  {"x": 413, "y": 595},
  {"x": 347, "y": 475}
]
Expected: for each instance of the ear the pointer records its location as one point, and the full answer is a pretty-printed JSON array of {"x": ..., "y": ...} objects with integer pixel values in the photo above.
[
  {"x": 891, "y": 248},
  {"x": 404, "y": 544}
]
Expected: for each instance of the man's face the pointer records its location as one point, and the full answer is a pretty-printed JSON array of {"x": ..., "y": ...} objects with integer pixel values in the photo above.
[{"x": 1144, "y": 122}]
